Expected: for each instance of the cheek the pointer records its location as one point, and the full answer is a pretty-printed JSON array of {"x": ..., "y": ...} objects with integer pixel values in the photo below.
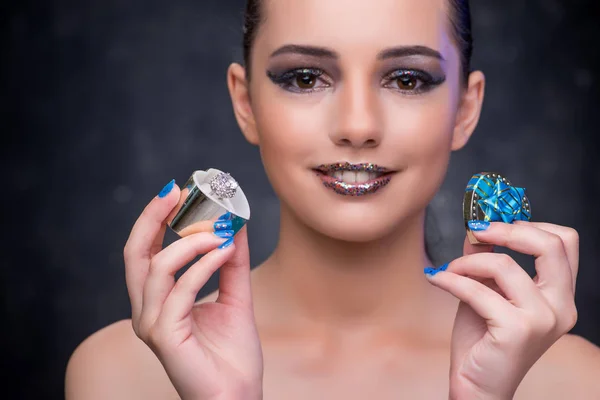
[
  {"x": 420, "y": 131},
  {"x": 421, "y": 128},
  {"x": 291, "y": 129},
  {"x": 290, "y": 132}
]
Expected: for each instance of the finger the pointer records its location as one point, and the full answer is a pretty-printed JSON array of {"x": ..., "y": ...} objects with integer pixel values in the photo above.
[
  {"x": 469, "y": 248},
  {"x": 200, "y": 226},
  {"x": 182, "y": 297},
  {"x": 512, "y": 280},
  {"x": 488, "y": 304},
  {"x": 234, "y": 278},
  {"x": 183, "y": 196},
  {"x": 164, "y": 266},
  {"x": 551, "y": 264},
  {"x": 145, "y": 240},
  {"x": 204, "y": 225},
  {"x": 570, "y": 239}
]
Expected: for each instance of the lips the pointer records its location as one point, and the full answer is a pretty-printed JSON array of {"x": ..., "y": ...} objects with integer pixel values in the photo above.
[
  {"x": 346, "y": 166},
  {"x": 354, "y": 179}
]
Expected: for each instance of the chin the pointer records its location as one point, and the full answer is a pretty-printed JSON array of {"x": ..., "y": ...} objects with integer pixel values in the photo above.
[
  {"x": 363, "y": 234},
  {"x": 354, "y": 219},
  {"x": 351, "y": 224}
]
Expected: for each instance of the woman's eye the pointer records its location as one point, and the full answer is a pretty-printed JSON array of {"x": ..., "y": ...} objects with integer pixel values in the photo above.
[
  {"x": 412, "y": 81},
  {"x": 407, "y": 82},
  {"x": 306, "y": 81},
  {"x": 303, "y": 80}
]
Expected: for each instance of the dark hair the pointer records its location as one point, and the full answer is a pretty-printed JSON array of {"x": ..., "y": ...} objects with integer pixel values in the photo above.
[{"x": 460, "y": 19}]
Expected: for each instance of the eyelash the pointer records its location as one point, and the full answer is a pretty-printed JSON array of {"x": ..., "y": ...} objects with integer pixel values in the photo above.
[{"x": 286, "y": 80}]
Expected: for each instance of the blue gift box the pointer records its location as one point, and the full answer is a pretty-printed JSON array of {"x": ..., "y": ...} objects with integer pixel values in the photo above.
[{"x": 491, "y": 197}]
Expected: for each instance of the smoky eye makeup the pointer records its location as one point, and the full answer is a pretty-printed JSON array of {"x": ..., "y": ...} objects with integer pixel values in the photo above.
[
  {"x": 408, "y": 75},
  {"x": 301, "y": 77},
  {"x": 413, "y": 74},
  {"x": 304, "y": 74},
  {"x": 412, "y": 80}
]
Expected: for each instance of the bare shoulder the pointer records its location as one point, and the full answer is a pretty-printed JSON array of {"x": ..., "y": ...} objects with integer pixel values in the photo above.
[
  {"x": 580, "y": 356},
  {"x": 113, "y": 363},
  {"x": 569, "y": 369},
  {"x": 576, "y": 347}
]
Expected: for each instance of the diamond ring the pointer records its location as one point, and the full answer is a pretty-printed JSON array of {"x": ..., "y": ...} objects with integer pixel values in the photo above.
[{"x": 223, "y": 186}]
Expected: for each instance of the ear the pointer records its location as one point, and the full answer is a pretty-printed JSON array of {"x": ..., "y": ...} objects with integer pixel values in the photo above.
[
  {"x": 469, "y": 110},
  {"x": 240, "y": 98}
]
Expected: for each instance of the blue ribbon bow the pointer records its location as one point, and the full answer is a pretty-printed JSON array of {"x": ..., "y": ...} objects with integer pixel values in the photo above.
[{"x": 499, "y": 201}]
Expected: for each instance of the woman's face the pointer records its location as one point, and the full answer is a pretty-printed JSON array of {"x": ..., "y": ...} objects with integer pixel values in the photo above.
[{"x": 358, "y": 82}]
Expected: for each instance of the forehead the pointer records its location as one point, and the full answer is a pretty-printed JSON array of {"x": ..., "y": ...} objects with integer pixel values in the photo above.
[{"x": 357, "y": 25}]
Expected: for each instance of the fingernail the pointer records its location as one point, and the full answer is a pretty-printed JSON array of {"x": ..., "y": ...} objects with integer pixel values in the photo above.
[
  {"x": 167, "y": 189},
  {"x": 224, "y": 234},
  {"x": 237, "y": 223},
  {"x": 225, "y": 217},
  {"x": 222, "y": 225},
  {"x": 228, "y": 243},
  {"x": 478, "y": 225},
  {"x": 432, "y": 271}
]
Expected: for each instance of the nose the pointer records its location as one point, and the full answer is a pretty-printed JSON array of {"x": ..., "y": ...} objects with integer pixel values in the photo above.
[{"x": 358, "y": 119}]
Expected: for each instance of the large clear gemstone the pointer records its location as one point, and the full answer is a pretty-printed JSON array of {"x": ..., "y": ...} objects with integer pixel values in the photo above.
[{"x": 223, "y": 185}]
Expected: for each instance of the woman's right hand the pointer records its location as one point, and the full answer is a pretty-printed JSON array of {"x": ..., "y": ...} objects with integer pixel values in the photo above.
[{"x": 210, "y": 351}]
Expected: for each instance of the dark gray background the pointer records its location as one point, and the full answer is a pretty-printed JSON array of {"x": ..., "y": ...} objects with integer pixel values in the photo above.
[{"x": 104, "y": 101}]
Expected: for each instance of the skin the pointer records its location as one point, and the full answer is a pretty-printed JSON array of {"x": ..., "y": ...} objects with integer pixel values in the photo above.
[{"x": 342, "y": 308}]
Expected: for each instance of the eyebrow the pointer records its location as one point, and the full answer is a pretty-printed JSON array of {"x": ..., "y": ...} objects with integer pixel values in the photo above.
[
  {"x": 407, "y": 51},
  {"x": 393, "y": 52}
]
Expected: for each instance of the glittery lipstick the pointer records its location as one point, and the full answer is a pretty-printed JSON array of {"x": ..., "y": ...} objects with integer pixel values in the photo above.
[{"x": 349, "y": 179}]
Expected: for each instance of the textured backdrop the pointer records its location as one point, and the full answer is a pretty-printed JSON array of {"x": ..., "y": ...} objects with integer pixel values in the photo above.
[{"x": 104, "y": 101}]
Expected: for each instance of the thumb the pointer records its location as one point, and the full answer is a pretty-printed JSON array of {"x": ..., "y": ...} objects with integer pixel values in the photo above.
[{"x": 234, "y": 275}]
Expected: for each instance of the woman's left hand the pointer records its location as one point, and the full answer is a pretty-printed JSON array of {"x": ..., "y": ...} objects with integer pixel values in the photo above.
[{"x": 505, "y": 320}]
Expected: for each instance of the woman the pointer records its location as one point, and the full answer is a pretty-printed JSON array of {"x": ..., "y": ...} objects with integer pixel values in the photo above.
[{"x": 343, "y": 308}]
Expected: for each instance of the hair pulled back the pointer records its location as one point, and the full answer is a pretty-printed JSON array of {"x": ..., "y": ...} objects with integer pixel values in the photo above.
[{"x": 460, "y": 21}]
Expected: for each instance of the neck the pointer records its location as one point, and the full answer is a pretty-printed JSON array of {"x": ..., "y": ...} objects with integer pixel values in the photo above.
[{"x": 334, "y": 283}]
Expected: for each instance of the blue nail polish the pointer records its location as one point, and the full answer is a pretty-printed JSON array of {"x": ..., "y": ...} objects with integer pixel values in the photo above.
[
  {"x": 225, "y": 217},
  {"x": 222, "y": 225},
  {"x": 478, "y": 225},
  {"x": 228, "y": 243},
  {"x": 224, "y": 234},
  {"x": 167, "y": 189},
  {"x": 237, "y": 223},
  {"x": 433, "y": 271}
]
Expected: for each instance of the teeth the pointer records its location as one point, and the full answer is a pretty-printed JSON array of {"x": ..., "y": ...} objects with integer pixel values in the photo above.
[
  {"x": 349, "y": 177},
  {"x": 354, "y": 177},
  {"x": 362, "y": 176}
]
